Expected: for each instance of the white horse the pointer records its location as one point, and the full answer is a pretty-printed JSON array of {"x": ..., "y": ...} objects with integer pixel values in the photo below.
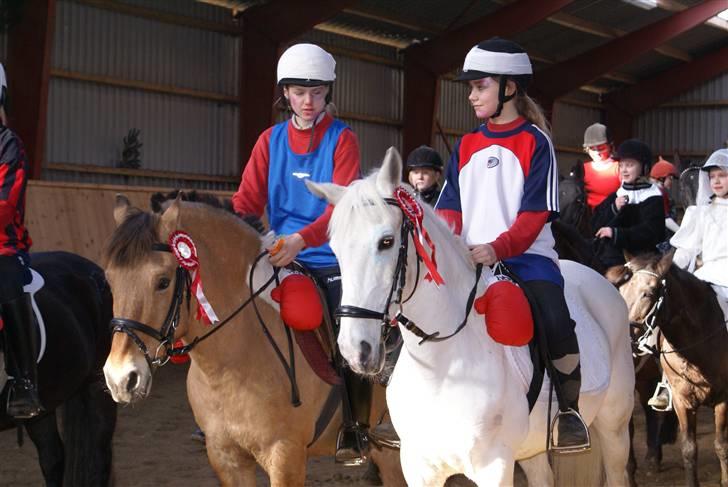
[{"x": 459, "y": 405}]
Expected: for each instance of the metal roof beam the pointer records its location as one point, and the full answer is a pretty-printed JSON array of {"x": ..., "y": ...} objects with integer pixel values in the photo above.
[
  {"x": 569, "y": 75},
  {"x": 658, "y": 89},
  {"x": 299, "y": 17},
  {"x": 445, "y": 52}
]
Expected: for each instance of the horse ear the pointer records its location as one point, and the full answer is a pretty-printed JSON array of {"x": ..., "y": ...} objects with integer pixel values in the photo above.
[
  {"x": 390, "y": 174},
  {"x": 665, "y": 262},
  {"x": 329, "y": 191},
  {"x": 628, "y": 256},
  {"x": 170, "y": 217},
  {"x": 618, "y": 275},
  {"x": 121, "y": 208}
]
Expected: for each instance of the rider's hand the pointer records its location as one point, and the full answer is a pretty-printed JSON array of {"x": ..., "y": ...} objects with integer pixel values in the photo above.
[
  {"x": 620, "y": 202},
  {"x": 292, "y": 245},
  {"x": 605, "y": 232},
  {"x": 483, "y": 254}
]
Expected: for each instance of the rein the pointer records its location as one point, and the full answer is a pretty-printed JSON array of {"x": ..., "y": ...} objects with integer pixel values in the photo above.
[
  {"x": 165, "y": 336},
  {"x": 398, "y": 282}
]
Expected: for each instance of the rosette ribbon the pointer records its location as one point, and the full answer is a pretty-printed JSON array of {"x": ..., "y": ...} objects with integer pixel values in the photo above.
[
  {"x": 414, "y": 213},
  {"x": 186, "y": 253}
]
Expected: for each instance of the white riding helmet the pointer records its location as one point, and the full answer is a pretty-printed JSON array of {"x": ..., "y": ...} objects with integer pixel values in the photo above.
[
  {"x": 306, "y": 65},
  {"x": 717, "y": 159}
]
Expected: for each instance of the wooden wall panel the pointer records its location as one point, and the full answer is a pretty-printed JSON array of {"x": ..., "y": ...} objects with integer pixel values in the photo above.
[{"x": 76, "y": 217}]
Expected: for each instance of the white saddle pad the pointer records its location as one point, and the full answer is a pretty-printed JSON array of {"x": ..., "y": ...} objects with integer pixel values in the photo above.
[
  {"x": 35, "y": 285},
  {"x": 593, "y": 350}
]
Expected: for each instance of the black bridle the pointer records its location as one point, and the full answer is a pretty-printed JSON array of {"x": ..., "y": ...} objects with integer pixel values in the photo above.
[{"x": 398, "y": 283}]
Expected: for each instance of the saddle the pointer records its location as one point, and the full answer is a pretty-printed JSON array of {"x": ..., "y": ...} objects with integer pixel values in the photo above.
[{"x": 531, "y": 361}]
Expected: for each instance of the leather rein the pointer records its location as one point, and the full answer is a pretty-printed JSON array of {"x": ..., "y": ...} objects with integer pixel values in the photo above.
[
  {"x": 397, "y": 288},
  {"x": 182, "y": 292}
]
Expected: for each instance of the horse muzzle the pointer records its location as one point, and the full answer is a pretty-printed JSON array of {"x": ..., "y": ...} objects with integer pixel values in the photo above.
[{"x": 128, "y": 382}]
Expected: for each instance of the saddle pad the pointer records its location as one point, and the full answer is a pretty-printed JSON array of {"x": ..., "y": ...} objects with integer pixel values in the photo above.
[
  {"x": 35, "y": 285},
  {"x": 594, "y": 352}
]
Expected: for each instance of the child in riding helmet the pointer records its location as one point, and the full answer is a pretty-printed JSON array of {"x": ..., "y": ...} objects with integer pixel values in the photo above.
[
  {"x": 704, "y": 233},
  {"x": 424, "y": 166},
  {"x": 501, "y": 193},
  {"x": 15, "y": 304},
  {"x": 631, "y": 219},
  {"x": 601, "y": 173},
  {"x": 704, "y": 228},
  {"x": 313, "y": 145}
]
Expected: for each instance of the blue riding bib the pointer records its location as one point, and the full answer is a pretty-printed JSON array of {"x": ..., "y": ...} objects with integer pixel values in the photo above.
[{"x": 291, "y": 206}]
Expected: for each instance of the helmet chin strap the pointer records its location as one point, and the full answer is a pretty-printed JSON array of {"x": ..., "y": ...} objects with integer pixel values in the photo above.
[{"x": 502, "y": 97}]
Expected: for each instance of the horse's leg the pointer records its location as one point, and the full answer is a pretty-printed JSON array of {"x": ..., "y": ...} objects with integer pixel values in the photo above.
[
  {"x": 494, "y": 468},
  {"x": 538, "y": 471},
  {"x": 43, "y": 431},
  {"x": 287, "y": 465},
  {"x": 419, "y": 473},
  {"x": 631, "y": 462},
  {"x": 721, "y": 441},
  {"x": 689, "y": 448},
  {"x": 232, "y": 466}
]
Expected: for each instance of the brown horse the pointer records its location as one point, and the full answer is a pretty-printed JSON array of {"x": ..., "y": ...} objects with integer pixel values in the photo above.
[
  {"x": 693, "y": 350},
  {"x": 238, "y": 389}
]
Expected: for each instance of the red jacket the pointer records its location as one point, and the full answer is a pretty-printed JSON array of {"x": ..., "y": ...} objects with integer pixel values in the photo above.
[{"x": 14, "y": 238}]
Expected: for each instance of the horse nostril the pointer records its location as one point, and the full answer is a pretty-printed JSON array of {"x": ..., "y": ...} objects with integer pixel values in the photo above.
[
  {"x": 132, "y": 382},
  {"x": 365, "y": 351}
]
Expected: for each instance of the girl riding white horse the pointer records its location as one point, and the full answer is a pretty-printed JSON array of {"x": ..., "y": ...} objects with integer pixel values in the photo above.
[{"x": 460, "y": 405}]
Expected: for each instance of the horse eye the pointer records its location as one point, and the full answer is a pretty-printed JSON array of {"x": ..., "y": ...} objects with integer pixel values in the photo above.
[
  {"x": 386, "y": 243},
  {"x": 163, "y": 284}
]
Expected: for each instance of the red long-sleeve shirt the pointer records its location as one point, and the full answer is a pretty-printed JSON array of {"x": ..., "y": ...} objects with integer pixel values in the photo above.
[
  {"x": 14, "y": 236},
  {"x": 252, "y": 194}
]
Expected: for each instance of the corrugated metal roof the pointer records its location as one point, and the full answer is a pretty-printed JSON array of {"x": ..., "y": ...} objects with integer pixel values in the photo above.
[{"x": 189, "y": 8}]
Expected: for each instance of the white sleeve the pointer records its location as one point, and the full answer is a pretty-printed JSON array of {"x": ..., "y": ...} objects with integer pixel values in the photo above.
[
  {"x": 688, "y": 240},
  {"x": 671, "y": 225}
]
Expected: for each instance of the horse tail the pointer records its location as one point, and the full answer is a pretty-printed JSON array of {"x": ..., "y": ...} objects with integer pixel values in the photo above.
[
  {"x": 584, "y": 469},
  {"x": 89, "y": 419}
]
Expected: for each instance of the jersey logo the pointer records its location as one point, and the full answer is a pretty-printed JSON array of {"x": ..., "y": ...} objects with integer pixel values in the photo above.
[
  {"x": 492, "y": 162},
  {"x": 300, "y": 175}
]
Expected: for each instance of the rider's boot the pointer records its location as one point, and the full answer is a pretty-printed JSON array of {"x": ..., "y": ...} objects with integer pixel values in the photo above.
[
  {"x": 23, "y": 399},
  {"x": 352, "y": 442},
  {"x": 572, "y": 433}
]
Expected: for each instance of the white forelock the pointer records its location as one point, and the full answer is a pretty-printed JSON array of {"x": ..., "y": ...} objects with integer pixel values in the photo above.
[{"x": 497, "y": 62}]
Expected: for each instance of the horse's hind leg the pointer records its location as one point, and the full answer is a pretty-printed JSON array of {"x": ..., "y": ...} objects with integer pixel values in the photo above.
[
  {"x": 538, "y": 471},
  {"x": 721, "y": 441},
  {"x": 43, "y": 432}
]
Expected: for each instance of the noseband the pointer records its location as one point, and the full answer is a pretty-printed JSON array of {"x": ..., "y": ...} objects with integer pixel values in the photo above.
[
  {"x": 398, "y": 282},
  {"x": 165, "y": 335}
]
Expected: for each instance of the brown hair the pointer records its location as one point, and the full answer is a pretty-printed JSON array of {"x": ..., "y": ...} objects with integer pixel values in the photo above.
[{"x": 529, "y": 109}]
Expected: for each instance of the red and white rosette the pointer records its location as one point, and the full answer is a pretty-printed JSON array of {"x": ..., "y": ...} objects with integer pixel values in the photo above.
[
  {"x": 186, "y": 253},
  {"x": 413, "y": 211}
]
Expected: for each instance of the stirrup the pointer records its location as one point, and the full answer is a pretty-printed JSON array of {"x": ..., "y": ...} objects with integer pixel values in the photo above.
[
  {"x": 358, "y": 457},
  {"x": 579, "y": 448},
  {"x": 384, "y": 436},
  {"x": 655, "y": 403}
]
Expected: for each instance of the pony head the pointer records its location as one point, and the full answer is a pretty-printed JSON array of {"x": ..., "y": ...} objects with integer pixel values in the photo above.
[{"x": 365, "y": 236}]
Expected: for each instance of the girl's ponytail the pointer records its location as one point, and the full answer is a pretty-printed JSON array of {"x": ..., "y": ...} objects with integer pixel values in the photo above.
[{"x": 529, "y": 109}]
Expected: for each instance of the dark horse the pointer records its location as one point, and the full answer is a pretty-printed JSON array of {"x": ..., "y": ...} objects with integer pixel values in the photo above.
[
  {"x": 689, "y": 317},
  {"x": 572, "y": 233},
  {"x": 76, "y": 306}
]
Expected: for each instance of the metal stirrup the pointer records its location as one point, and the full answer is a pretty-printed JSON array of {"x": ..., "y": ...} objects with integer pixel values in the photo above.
[{"x": 571, "y": 448}]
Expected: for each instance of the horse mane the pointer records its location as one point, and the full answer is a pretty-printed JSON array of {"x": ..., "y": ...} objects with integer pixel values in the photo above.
[
  {"x": 132, "y": 241},
  {"x": 362, "y": 196},
  {"x": 158, "y": 202}
]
